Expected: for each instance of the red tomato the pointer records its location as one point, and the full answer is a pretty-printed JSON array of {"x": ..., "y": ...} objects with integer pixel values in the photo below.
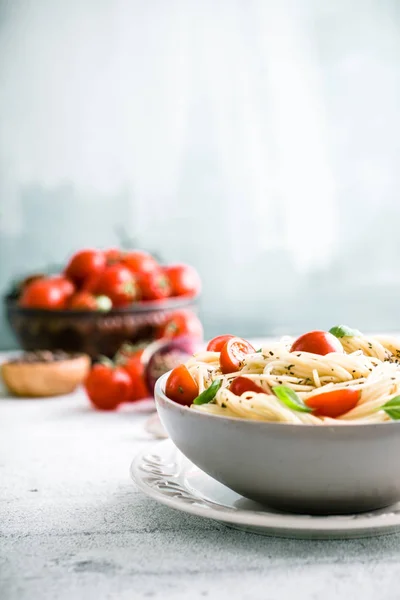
[
  {"x": 181, "y": 387},
  {"x": 217, "y": 343},
  {"x": 118, "y": 283},
  {"x": 182, "y": 323},
  {"x": 43, "y": 293},
  {"x": 139, "y": 261},
  {"x": 65, "y": 284},
  {"x": 154, "y": 285},
  {"x": 108, "y": 386},
  {"x": 184, "y": 280},
  {"x": 112, "y": 255},
  {"x": 84, "y": 263},
  {"x": 240, "y": 385},
  {"x": 233, "y": 353},
  {"x": 334, "y": 404},
  {"x": 135, "y": 368},
  {"x": 91, "y": 283},
  {"x": 87, "y": 301},
  {"x": 317, "y": 342}
]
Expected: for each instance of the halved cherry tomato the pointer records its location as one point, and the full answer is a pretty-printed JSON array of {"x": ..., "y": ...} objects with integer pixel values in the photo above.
[
  {"x": 334, "y": 404},
  {"x": 217, "y": 343},
  {"x": 84, "y": 263},
  {"x": 154, "y": 285},
  {"x": 139, "y": 261},
  {"x": 233, "y": 353},
  {"x": 181, "y": 387},
  {"x": 118, "y": 283},
  {"x": 108, "y": 386},
  {"x": 43, "y": 293},
  {"x": 317, "y": 342},
  {"x": 183, "y": 322},
  {"x": 240, "y": 385},
  {"x": 184, "y": 279}
]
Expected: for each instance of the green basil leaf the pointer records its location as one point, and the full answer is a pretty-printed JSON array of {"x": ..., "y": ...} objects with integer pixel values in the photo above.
[
  {"x": 209, "y": 394},
  {"x": 392, "y": 408},
  {"x": 259, "y": 350},
  {"x": 290, "y": 398},
  {"x": 340, "y": 331}
]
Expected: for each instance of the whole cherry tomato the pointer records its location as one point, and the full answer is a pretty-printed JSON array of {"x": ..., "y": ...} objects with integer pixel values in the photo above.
[
  {"x": 181, "y": 387},
  {"x": 184, "y": 280},
  {"x": 233, "y": 353},
  {"x": 65, "y": 284},
  {"x": 181, "y": 323},
  {"x": 84, "y": 263},
  {"x": 139, "y": 261},
  {"x": 241, "y": 384},
  {"x": 118, "y": 283},
  {"x": 217, "y": 343},
  {"x": 136, "y": 370},
  {"x": 112, "y": 255},
  {"x": 335, "y": 403},
  {"x": 87, "y": 301},
  {"x": 154, "y": 285},
  {"x": 108, "y": 386},
  {"x": 91, "y": 283},
  {"x": 317, "y": 342},
  {"x": 43, "y": 293}
]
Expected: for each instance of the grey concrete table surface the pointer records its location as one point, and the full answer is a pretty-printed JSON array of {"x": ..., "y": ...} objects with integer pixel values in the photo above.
[{"x": 72, "y": 525}]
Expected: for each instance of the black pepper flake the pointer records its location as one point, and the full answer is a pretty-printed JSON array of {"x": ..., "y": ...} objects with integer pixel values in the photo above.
[
  {"x": 271, "y": 353},
  {"x": 223, "y": 405}
]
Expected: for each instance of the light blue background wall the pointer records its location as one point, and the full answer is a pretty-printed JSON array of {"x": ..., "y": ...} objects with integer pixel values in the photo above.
[{"x": 258, "y": 140}]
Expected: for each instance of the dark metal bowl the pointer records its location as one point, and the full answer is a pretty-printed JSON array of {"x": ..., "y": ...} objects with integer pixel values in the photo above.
[{"x": 92, "y": 332}]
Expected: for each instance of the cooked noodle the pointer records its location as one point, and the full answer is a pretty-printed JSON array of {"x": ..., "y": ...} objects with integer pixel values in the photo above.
[{"x": 368, "y": 364}]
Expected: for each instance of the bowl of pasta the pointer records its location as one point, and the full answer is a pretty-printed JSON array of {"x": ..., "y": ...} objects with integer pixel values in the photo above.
[{"x": 306, "y": 425}]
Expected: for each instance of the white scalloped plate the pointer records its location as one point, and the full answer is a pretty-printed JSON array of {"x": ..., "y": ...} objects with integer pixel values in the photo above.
[{"x": 165, "y": 475}]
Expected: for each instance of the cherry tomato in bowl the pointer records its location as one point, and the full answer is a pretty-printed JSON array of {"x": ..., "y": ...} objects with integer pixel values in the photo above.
[
  {"x": 118, "y": 283},
  {"x": 184, "y": 280},
  {"x": 138, "y": 261},
  {"x": 43, "y": 293},
  {"x": 243, "y": 384},
  {"x": 87, "y": 301},
  {"x": 233, "y": 353},
  {"x": 317, "y": 342},
  {"x": 85, "y": 263},
  {"x": 182, "y": 323},
  {"x": 65, "y": 284},
  {"x": 335, "y": 403},
  {"x": 217, "y": 343},
  {"x": 181, "y": 387},
  {"x": 154, "y": 285}
]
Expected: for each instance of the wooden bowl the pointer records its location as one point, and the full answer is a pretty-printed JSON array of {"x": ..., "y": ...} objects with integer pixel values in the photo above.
[{"x": 41, "y": 379}]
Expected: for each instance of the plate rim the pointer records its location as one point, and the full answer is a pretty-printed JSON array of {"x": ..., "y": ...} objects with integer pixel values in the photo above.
[{"x": 360, "y": 524}]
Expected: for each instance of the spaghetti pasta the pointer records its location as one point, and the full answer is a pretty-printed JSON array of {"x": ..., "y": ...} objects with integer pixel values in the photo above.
[{"x": 369, "y": 366}]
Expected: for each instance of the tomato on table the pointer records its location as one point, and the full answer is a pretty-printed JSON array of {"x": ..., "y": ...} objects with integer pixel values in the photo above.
[
  {"x": 184, "y": 280},
  {"x": 217, "y": 343},
  {"x": 138, "y": 261},
  {"x": 182, "y": 323},
  {"x": 233, "y": 353},
  {"x": 43, "y": 293},
  {"x": 243, "y": 384},
  {"x": 87, "y": 301},
  {"x": 118, "y": 283},
  {"x": 85, "y": 263},
  {"x": 317, "y": 342},
  {"x": 107, "y": 386},
  {"x": 335, "y": 403},
  {"x": 181, "y": 387},
  {"x": 134, "y": 366},
  {"x": 154, "y": 285}
]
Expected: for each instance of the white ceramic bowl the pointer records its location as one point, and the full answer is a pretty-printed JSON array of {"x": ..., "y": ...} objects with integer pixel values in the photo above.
[{"x": 298, "y": 468}]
